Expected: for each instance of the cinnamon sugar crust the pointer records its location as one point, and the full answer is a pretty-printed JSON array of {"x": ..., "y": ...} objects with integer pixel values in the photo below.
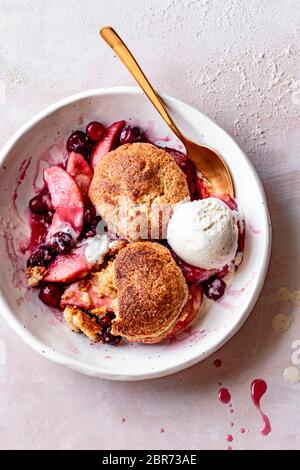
[
  {"x": 130, "y": 183},
  {"x": 151, "y": 292}
]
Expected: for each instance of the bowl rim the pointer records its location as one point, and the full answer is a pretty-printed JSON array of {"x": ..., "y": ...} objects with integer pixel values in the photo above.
[{"x": 76, "y": 364}]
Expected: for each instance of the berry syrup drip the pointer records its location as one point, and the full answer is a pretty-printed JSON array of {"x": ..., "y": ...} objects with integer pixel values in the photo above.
[
  {"x": 39, "y": 227},
  {"x": 258, "y": 389},
  {"x": 188, "y": 168},
  {"x": 217, "y": 363},
  {"x": 40, "y": 217},
  {"x": 224, "y": 396},
  {"x": 22, "y": 173}
]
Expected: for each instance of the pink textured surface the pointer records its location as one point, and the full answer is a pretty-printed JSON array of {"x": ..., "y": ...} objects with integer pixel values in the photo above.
[{"x": 239, "y": 64}]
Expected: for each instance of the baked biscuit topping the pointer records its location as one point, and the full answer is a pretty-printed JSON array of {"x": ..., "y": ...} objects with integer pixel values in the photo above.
[
  {"x": 35, "y": 275},
  {"x": 97, "y": 290},
  {"x": 134, "y": 189},
  {"x": 109, "y": 282},
  {"x": 144, "y": 288},
  {"x": 79, "y": 321},
  {"x": 151, "y": 292},
  {"x": 95, "y": 324}
]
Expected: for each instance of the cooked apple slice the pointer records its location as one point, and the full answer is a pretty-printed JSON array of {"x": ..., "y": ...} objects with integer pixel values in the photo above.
[
  {"x": 190, "y": 309},
  {"x": 83, "y": 294},
  {"x": 95, "y": 291},
  {"x": 188, "y": 313},
  {"x": 81, "y": 171},
  {"x": 192, "y": 273},
  {"x": 203, "y": 188},
  {"x": 108, "y": 143},
  {"x": 68, "y": 268},
  {"x": 66, "y": 198},
  {"x": 204, "y": 191}
]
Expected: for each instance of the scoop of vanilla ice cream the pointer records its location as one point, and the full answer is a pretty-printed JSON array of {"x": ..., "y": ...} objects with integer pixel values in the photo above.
[{"x": 204, "y": 233}]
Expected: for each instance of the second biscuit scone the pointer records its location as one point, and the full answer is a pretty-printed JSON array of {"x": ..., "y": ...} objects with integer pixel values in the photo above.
[{"x": 151, "y": 292}]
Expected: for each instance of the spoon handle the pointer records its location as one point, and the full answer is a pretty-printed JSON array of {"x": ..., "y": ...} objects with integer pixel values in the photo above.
[{"x": 116, "y": 43}]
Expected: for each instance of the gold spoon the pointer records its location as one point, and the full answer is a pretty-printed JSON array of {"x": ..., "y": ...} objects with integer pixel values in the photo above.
[{"x": 206, "y": 160}]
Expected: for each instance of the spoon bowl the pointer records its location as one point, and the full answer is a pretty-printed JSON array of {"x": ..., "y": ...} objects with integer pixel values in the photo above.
[
  {"x": 207, "y": 161},
  {"x": 211, "y": 165}
]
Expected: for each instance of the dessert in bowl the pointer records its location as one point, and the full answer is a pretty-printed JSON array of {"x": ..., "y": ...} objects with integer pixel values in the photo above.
[
  {"x": 106, "y": 249},
  {"x": 113, "y": 285}
]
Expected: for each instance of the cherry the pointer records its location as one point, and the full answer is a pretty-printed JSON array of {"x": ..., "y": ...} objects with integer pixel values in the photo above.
[
  {"x": 42, "y": 256},
  {"x": 129, "y": 135},
  {"x": 95, "y": 131},
  {"x": 105, "y": 321},
  {"x": 164, "y": 242},
  {"x": 203, "y": 189},
  {"x": 214, "y": 288},
  {"x": 188, "y": 168},
  {"x": 179, "y": 157},
  {"x": 241, "y": 238},
  {"x": 191, "y": 273},
  {"x": 90, "y": 216},
  {"x": 106, "y": 336},
  {"x": 50, "y": 295},
  {"x": 40, "y": 203},
  {"x": 113, "y": 340},
  {"x": 62, "y": 242},
  {"x": 47, "y": 217},
  {"x": 79, "y": 142},
  {"x": 90, "y": 233}
]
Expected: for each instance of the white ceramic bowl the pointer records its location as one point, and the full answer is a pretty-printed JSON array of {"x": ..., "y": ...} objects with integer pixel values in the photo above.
[{"x": 44, "y": 330}]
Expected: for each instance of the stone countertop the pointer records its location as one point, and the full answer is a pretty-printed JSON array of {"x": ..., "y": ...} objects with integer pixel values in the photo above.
[{"x": 239, "y": 63}]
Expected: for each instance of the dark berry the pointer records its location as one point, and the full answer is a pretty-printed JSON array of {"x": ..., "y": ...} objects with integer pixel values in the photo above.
[
  {"x": 179, "y": 157},
  {"x": 89, "y": 147},
  {"x": 90, "y": 233},
  {"x": 50, "y": 295},
  {"x": 42, "y": 256},
  {"x": 40, "y": 204},
  {"x": 62, "y": 242},
  {"x": 203, "y": 189},
  {"x": 79, "y": 142},
  {"x": 214, "y": 288},
  {"x": 164, "y": 242},
  {"x": 129, "y": 135},
  {"x": 108, "y": 338},
  {"x": 95, "y": 131},
  {"x": 90, "y": 216},
  {"x": 241, "y": 237},
  {"x": 191, "y": 273},
  {"x": 48, "y": 216},
  {"x": 113, "y": 340},
  {"x": 41, "y": 220},
  {"x": 189, "y": 169},
  {"x": 105, "y": 321}
]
